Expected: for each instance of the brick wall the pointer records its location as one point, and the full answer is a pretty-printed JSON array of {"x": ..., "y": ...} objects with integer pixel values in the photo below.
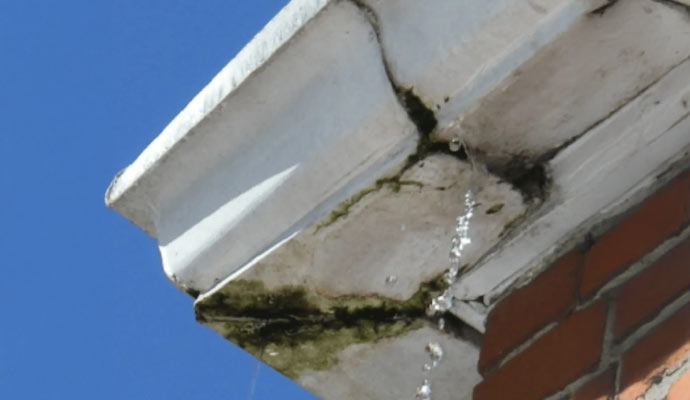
[{"x": 607, "y": 320}]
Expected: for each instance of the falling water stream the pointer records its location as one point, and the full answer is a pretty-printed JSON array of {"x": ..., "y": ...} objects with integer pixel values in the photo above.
[
  {"x": 444, "y": 301},
  {"x": 252, "y": 382}
]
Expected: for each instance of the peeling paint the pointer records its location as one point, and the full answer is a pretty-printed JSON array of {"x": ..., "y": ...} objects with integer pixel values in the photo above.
[{"x": 661, "y": 383}]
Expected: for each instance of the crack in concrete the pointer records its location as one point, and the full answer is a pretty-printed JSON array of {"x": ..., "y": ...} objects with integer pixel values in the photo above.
[
  {"x": 601, "y": 10},
  {"x": 529, "y": 178},
  {"x": 288, "y": 318},
  {"x": 419, "y": 113},
  {"x": 343, "y": 209}
]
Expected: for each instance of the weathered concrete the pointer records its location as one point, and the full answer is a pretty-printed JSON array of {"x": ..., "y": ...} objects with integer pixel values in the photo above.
[
  {"x": 594, "y": 67},
  {"x": 453, "y": 52},
  {"x": 400, "y": 227},
  {"x": 340, "y": 273},
  {"x": 392, "y": 369}
]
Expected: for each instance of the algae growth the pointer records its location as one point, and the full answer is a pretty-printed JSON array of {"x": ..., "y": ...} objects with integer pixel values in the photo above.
[
  {"x": 343, "y": 209},
  {"x": 293, "y": 330},
  {"x": 425, "y": 147}
]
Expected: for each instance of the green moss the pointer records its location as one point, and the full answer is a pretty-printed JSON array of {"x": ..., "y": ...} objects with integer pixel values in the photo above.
[
  {"x": 393, "y": 183},
  {"x": 343, "y": 208},
  {"x": 495, "y": 208},
  {"x": 426, "y": 145},
  {"x": 513, "y": 223},
  {"x": 419, "y": 113},
  {"x": 293, "y": 330}
]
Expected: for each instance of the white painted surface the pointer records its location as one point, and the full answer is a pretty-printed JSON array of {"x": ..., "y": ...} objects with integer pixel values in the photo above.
[
  {"x": 461, "y": 49},
  {"x": 472, "y": 315},
  {"x": 262, "y": 153},
  {"x": 519, "y": 78},
  {"x": 613, "y": 162},
  {"x": 281, "y": 150},
  {"x": 136, "y": 204},
  {"x": 598, "y": 64}
]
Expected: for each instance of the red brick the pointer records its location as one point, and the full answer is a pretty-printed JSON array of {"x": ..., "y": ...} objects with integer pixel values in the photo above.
[
  {"x": 680, "y": 389},
  {"x": 641, "y": 231},
  {"x": 515, "y": 318},
  {"x": 665, "y": 347},
  {"x": 652, "y": 288},
  {"x": 599, "y": 388},
  {"x": 551, "y": 362}
]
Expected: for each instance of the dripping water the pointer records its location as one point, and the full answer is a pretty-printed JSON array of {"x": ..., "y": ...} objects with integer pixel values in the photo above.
[
  {"x": 252, "y": 383},
  {"x": 461, "y": 239},
  {"x": 455, "y": 144},
  {"x": 424, "y": 391},
  {"x": 391, "y": 280}
]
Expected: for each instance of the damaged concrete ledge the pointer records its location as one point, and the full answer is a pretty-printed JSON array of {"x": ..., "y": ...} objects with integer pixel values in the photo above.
[{"x": 308, "y": 195}]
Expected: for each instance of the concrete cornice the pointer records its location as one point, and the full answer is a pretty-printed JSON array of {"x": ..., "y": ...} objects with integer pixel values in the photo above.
[{"x": 317, "y": 161}]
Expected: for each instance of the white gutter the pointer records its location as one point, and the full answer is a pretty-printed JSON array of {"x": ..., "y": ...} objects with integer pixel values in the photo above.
[{"x": 283, "y": 27}]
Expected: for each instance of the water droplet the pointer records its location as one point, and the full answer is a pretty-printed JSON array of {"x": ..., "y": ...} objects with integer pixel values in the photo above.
[
  {"x": 451, "y": 275},
  {"x": 441, "y": 303},
  {"x": 435, "y": 352},
  {"x": 454, "y": 262},
  {"x": 454, "y": 144},
  {"x": 462, "y": 229},
  {"x": 444, "y": 302},
  {"x": 391, "y": 280},
  {"x": 457, "y": 247},
  {"x": 424, "y": 391}
]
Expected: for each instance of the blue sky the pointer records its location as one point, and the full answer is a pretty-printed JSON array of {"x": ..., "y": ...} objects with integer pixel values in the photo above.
[{"x": 86, "y": 310}]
